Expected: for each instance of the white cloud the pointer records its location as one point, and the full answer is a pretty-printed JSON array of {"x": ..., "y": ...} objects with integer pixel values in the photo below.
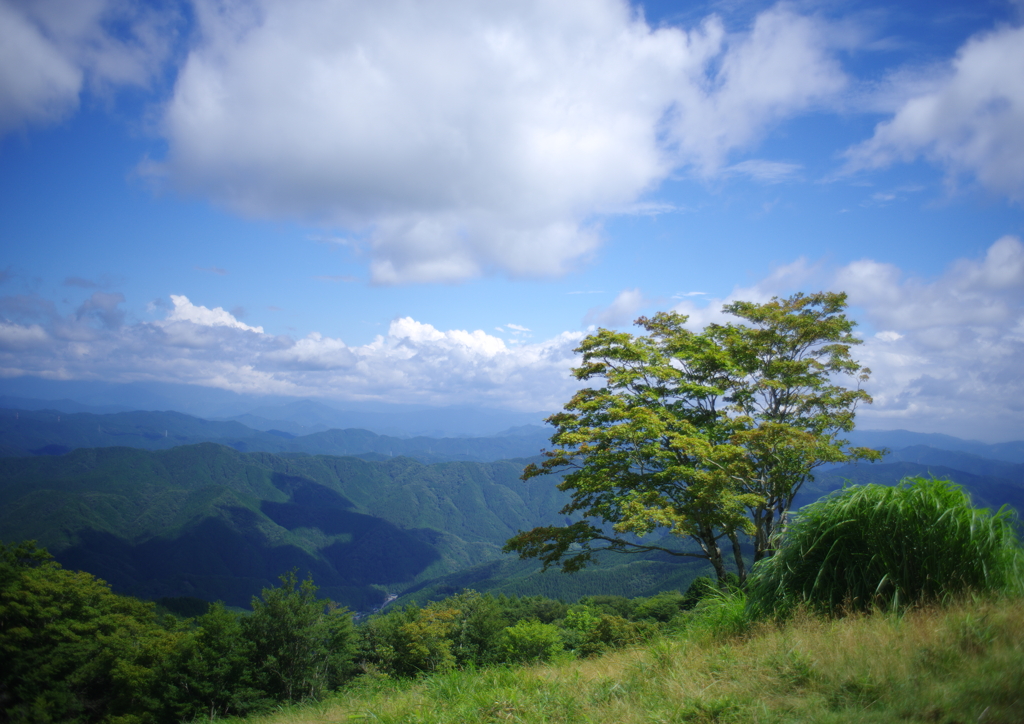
[
  {"x": 971, "y": 121},
  {"x": 783, "y": 280},
  {"x": 185, "y": 311},
  {"x": 37, "y": 83},
  {"x": 51, "y": 49},
  {"x": 459, "y": 138},
  {"x": 766, "y": 171},
  {"x": 945, "y": 352},
  {"x": 948, "y": 358},
  {"x": 413, "y": 362},
  {"x": 19, "y": 337},
  {"x": 622, "y": 311}
]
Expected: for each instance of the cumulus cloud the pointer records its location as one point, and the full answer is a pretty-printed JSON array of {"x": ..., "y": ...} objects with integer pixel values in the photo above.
[
  {"x": 783, "y": 280},
  {"x": 104, "y": 307},
  {"x": 193, "y": 344},
  {"x": 186, "y": 311},
  {"x": 622, "y": 311},
  {"x": 461, "y": 138},
  {"x": 948, "y": 355},
  {"x": 971, "y": 121},
  {"x": 945, "y": 352},
  {"x": 51, "y": 49}
]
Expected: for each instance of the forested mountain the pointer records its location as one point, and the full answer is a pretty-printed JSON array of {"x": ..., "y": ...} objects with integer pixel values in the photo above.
[
  {"x": 50, "y": 432},
  {"x": 208, "y": 521},
  {"x": 211, "y": 521}
]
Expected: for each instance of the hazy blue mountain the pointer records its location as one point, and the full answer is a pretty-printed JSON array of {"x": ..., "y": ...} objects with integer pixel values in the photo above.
[
  {"x": 398, "y": 420},
  {"x": 1012, "y": 452},
  {"x": 65, "y": 405},
  {"x": 986, "y": 490},
  {"x": 956, "y": 460},
  {"x": 49, "y": 432},
  {"x": 267, "y": 425},
  {"x": 393, "y": 420}
]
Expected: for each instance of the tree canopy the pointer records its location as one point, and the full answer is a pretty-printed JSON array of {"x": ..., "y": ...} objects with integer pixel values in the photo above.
[{"x": 705, "y": 435}]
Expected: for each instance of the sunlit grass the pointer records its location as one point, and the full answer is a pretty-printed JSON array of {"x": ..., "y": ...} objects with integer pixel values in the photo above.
[{"x": 959, "y": 663}]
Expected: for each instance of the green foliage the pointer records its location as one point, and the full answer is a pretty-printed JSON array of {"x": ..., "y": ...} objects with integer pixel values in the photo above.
[
  {"x": 479, "y": 622},
  {"x": 706, "y": 435},
  {"x": 874, "y": 545},
  {"x": 530, "y": 640},
  {"x": 958, "y": 663},
  {"x": 411, "y": 640},
  {"x": 663, "y": 607},
  {"x": 718, "y": 615},
  {"x": 211, "y": 522},
  {"x": 210, "y": 674},
  {"x": 70, "y": 650},
  {"x": 302, "y": 646}
]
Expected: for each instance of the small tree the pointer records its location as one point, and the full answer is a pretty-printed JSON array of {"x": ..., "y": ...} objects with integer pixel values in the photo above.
[
  {"x": 210, "y": 673},
  {"x": 303, "y": 646},
  {"x": 706, "y": 435}
]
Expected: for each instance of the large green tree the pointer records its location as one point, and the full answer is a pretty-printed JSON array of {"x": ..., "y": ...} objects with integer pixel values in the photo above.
[{"x": 707, "y": 435}]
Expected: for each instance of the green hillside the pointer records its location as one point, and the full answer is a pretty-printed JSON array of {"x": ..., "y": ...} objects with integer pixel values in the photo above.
[
  {"x": 208, "y": 521},
  {"x": 211, "y": 522}
]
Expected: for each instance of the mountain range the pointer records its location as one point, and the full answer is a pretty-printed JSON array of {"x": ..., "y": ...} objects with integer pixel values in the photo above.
[
  {"x": 165, "y": 504},
  {"x": 53, "y": 432}
]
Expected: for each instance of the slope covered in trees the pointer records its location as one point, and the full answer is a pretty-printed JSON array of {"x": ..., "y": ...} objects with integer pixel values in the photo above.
[{"x": 211, "y": 522}]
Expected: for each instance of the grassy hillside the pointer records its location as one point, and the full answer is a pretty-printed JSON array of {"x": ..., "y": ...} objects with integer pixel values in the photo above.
[{"x": 962, "y": 663}]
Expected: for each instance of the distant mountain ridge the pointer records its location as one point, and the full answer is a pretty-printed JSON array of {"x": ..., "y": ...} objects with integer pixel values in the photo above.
[
  {"x": 1012, "y": 452},
  {"x": 312, "y": 415},
  {"x": 50, "y": 432}
]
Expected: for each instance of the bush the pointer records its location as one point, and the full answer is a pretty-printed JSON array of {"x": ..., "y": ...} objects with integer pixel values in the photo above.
[
  {"x": 874, "y": 545},
  {"x": 662, "y": 607},
  {"x": 411, "y": 641},
  {"x": 530, "y": 640}
]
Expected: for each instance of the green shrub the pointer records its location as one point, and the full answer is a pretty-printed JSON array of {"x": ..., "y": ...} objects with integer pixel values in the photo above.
[
  {"x": 874, "y": 545},
  {"x": 530, "y": 640},
  {"x": 411, "y": 641},
  {"x": 662, "y": 607}
]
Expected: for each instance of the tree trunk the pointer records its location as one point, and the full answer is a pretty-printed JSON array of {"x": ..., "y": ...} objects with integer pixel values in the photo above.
[{"x": 737, "y": 554}]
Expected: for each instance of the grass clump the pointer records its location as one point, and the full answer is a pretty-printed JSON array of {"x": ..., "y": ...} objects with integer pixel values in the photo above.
[{"x": 878, "y": 546}]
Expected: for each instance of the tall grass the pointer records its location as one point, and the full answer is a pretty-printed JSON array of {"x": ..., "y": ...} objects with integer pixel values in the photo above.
[
  {"x": 963, "y": 662},
  {"x": 874, "y": 545}
]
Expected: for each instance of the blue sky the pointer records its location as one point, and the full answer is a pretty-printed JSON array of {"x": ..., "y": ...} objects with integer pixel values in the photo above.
[{"x": 434, "y": 202}]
